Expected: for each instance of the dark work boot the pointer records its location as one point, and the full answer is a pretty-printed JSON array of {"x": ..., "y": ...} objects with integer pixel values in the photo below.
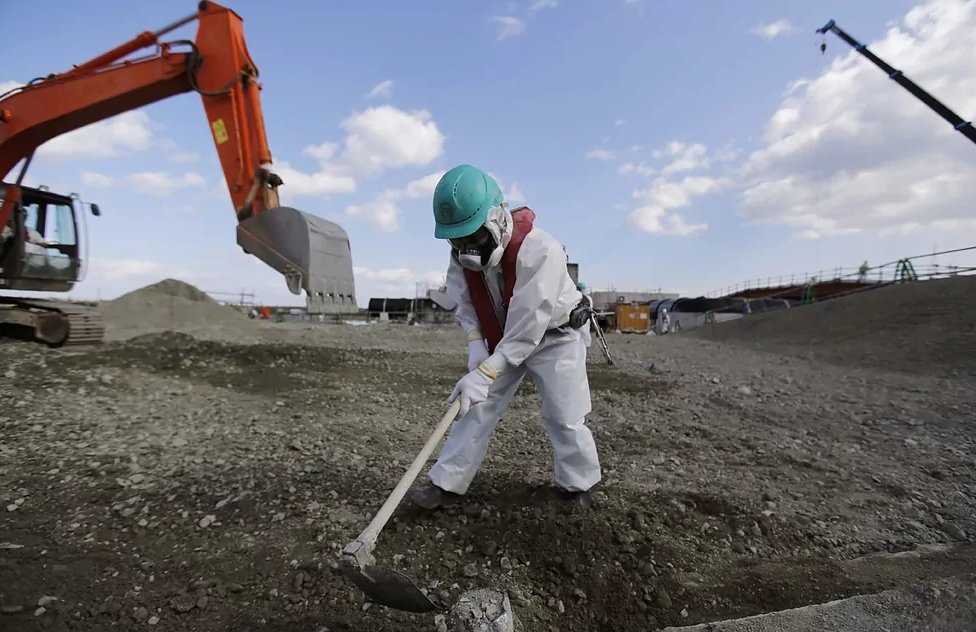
[
  {"x": 431, "y": 496},
  {"x": 578, "y": 499}
]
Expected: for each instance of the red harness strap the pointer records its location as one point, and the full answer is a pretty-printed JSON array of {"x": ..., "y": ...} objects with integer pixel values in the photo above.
[{"x": 491, "y": 328}]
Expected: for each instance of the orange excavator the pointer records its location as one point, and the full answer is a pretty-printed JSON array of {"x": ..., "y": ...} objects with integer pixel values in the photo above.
[{"x": 42, "y": 249}]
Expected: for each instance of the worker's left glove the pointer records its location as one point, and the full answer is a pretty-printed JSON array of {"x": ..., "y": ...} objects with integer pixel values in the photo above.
[{"x": 473, "y": 387}]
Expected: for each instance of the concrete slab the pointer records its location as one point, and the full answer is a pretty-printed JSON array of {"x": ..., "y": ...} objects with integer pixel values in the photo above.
[{"x": 947, "y": 605}]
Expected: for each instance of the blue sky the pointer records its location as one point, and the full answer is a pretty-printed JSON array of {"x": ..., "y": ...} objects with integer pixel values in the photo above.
[{"x": 676, "y": 145}]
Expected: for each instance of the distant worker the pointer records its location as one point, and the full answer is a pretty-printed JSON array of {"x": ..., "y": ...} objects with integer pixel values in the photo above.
[
  {"x": 514, "y": 299},
  {"x": 862, "y": 272},
  {"x": 586, "y": 293}
]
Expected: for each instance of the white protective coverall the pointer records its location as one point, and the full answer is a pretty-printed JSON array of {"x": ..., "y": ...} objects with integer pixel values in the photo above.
[{"x": 536, "y": 341}]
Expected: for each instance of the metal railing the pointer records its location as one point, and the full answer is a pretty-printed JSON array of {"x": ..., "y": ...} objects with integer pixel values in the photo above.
[{"x": 890, "y": 272}]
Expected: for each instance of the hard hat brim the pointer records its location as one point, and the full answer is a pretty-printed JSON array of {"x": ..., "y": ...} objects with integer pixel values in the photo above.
[{"x": 463, "y": 229}]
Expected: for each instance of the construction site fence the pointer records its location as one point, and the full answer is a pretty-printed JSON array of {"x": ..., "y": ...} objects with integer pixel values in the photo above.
[{"x": 890, "y": 272}]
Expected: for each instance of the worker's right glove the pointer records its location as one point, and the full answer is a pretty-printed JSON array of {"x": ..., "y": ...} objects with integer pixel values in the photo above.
[
  {"x": 477, "y": 353},
  {"x": 473, "y": 387}
]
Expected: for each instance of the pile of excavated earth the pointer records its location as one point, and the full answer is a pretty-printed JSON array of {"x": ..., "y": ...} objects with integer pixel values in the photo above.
[
  {"x": 202, "y": 471},
  {"x": 175, "y": 306}
]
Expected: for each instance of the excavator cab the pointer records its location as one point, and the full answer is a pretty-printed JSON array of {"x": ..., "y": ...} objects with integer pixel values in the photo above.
[{"x": 41, "y": 247}]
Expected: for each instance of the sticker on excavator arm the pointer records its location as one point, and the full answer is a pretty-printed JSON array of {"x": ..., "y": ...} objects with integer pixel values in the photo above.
[{"x": 219, "y": 131}]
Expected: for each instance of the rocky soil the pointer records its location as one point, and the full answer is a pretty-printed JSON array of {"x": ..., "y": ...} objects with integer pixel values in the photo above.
[{"x": 198, "y": 480}]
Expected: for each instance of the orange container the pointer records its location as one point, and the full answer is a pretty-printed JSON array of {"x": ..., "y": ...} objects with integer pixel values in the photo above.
[{"x": 633, "y": 317}]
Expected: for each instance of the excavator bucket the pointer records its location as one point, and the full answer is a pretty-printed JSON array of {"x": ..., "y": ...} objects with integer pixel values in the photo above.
[{"x": 312, "y": 253}]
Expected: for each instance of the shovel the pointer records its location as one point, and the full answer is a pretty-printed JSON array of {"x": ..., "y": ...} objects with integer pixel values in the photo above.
[{"x": 383, "y": 585}]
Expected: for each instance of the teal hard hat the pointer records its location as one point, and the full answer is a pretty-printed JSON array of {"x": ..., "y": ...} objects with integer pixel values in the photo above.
[
  {"x": 462, "y": 199},
  {"x": 581, "y": 286}
]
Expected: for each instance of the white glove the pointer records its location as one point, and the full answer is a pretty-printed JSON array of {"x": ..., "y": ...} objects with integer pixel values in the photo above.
[
  {"x": 472, "y": 389},
  {"x": 477, "y": 353}
]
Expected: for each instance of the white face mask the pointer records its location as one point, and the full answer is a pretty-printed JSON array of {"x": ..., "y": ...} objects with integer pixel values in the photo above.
[{"x": 499, "y": 224}]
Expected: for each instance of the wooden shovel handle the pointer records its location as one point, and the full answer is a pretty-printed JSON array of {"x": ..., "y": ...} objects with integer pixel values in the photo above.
[{"x": 370, "y": 533}]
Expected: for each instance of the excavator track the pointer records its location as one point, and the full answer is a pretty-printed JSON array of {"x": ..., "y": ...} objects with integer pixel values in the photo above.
[{"x": 55, "y": 323}]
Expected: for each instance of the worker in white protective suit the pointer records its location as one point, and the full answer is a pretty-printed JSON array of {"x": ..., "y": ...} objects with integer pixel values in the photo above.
[{"x": 520, "y": 310}]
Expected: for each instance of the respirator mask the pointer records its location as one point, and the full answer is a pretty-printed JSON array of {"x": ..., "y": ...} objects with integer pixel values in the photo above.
[{"x": 484, "y": 248}]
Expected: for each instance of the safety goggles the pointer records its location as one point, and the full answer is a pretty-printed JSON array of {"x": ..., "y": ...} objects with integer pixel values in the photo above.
[{"x": 477, "y": 239}]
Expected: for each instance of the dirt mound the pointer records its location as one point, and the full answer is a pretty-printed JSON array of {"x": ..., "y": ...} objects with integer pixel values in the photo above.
[
  {"x": 925, "y": 327},
  {"x": 172, "y": 305}
]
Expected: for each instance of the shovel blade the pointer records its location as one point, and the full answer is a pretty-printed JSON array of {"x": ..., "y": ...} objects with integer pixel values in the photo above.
[
  {"x": 312, "y": 253},
  {"x": 388, "y": 587}
]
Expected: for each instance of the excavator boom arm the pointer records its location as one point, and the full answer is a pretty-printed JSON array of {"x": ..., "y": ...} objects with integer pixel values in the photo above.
[
  {"x": 313, "y": 254},
  {"x": 217, "y": 66},
  {"x": 964, "y": 127}
]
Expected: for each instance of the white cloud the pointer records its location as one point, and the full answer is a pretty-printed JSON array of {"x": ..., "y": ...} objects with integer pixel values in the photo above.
[
  {"x": 851, "y": 151},
  {"x": 640, "y": 169},
  {"x": 6, "y": 86},
  {"x": 119, "y": 135},
  {"x": 93, "y": 179},
  {"x": 654, "y": 215},
  {"x": 156, "y": 183},
  {"x": 386, "y": 137},
  {"x": 377, "y": 139},
  {"x": 383, "y": 210},
  {"x": 323, "y": 182},
  {"x": 538, "y": 5},
  {"x": 619, "y": 122},
  {"x": 162, "y": 183},
  {"x": 389, "y": 275},
  {"x": 184, "y": 156},
  {"x": 422, "y": 187},
  {"x": 771, "y": 30},
  {"x": 382, "y": 89},
  {"x": 402, "y": 281},
  {"x": 513, "y": 194},
  {"x": 121, "y": 268},
  {"x": 508, "y": 26},
  {"x": 686, "y": 157},
  {"x": 600, "y": 154}
]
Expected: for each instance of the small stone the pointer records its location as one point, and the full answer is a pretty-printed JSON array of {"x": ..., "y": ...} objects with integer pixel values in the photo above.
[
  {"x": 637, "y": 518},
  {"x": 11, "y": 609},
  {"x": 40, "y": 611},
  {"x": 182, "y": 604},
  {"x": 140, "y": 614},
  {"x": 744, "y": 390},
  {"x": 153, "y": 620},
  {"x": 470, "y": 570},
  {"x": 207, "y": 520},
  {"x": 46, "y": 600},
  {"x": 505, "y": 564},
  {"x": 953, "y": 530},
  {"x": 663, "y": 599}
]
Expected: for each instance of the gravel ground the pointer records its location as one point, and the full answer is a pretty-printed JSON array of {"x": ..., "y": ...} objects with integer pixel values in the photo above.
[{"x": 203, "y": 483}]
